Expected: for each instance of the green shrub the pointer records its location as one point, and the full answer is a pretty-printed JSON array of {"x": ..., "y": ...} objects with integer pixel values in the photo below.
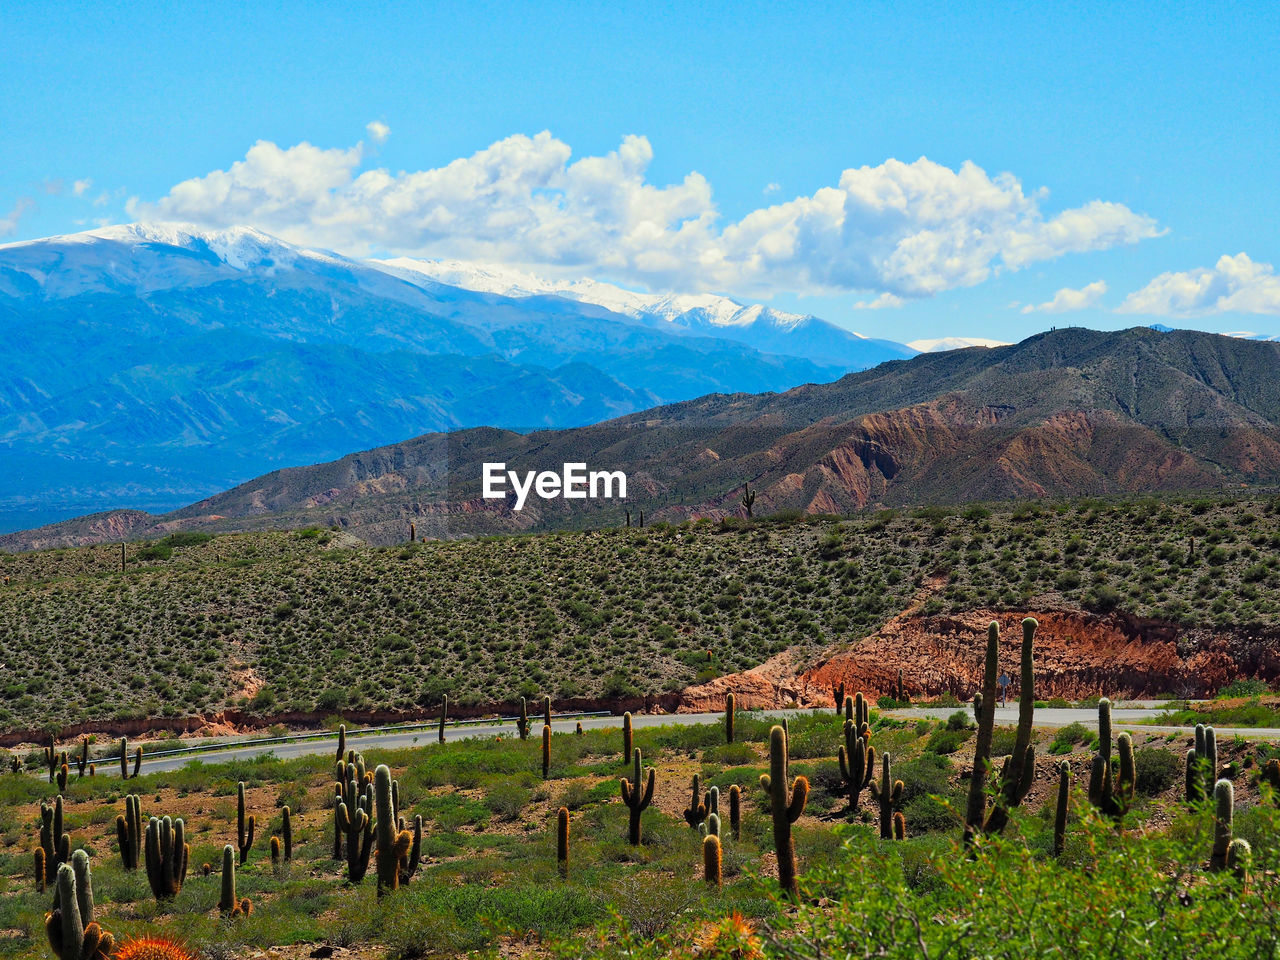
[{"x": 1156, "y": 770}]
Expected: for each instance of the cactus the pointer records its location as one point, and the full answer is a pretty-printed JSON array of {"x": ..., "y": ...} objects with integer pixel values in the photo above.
[
  {"x": 977, "y": 706},
  {"x": 562, "y": 842},
  {"x": 523, "y": 723},
  {"x": 137, "y": 762},
  {"x": 353, "y": 818},
  {"x": 286, "y": 832},
  {"x": 1223, "y": 816},
  {"x": 546, "y": 711},
  {"x": 129, "y": 832},
  {"x": 276, "y": 849},
  {"x": 635, "y": 798},
  {"x": 1111, "y": 793},
  {"x": 244, "y": 826},
  {"x": 728, "y": 717},
  {"x": 51, "y": 758},
  {"x": 55, "y": 843},
  {"x": 975, "y": 810},
  {"x": 748, "y": 501},
  {"x": 546, "y": 751},
  {"x": 409, "y": 862},
  {"x": 1060, "y": 812},
  {"x": 124, "y": 758},
  {"x": 837, "y": 694},
  {"x": 735, "y": 812},
  {"x": 1239, "y": 858},
  {"x": 627, "y": 737},
  {"x": 786, "y": 809},
  {"x": 697, "y": 809},
  {"x": 888, "y": 793},
  {"x": 1019, "y": 770},
  {"x": 73, "y": 934},
  {"x": 63, "y": 773},
  {"x": 229, "y": 905},
  {"x": 857, "y": 764},
  {"x": 1202, "y": 765},
  {"x": 711, "y": 859},
  {"x": 41, "y": 868},
  {"x": 82, "y": 761},
  {"x": 444, "y": 717},
  {"x": 899, "y": 825},
  {"x": 392, "y": 844},
  {"x": 342, "y": 741},
  {"x": 167, "y": 853},
  {"x": 713, "y": 802},
  {"x": 1271, "y": 777},
  {"x": 578, "y": 729}
]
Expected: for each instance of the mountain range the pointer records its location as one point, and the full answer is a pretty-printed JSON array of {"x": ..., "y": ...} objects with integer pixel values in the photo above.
[
  {"x": 1069, "y": 412},
  {"x": 154, "y": 364}
]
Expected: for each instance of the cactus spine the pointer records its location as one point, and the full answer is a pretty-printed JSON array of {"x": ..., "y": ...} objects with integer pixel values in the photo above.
[
  {"x": 1060, "y": 812},
  {"x": 228, "y": 904},
  {"x": 857, "y": 763},
  {"x": 1019, "y": 768},
  {"x": 697, "y": 809},
  {"x": 244, "y": 826},
  {"x": 1111, "y": 793},
  {"x": 786, "y": 809},
  {"x": 712, "y": 859},
  {"x": 888, "y": 793},
  {"x": 728, "y": 717},
  {"x": 562, "y": 842},
  {"x": 634, "y": 797},
  {"x": 444, "y": 716},
  {"x": 546, "y": 751},
  {"x": 975, "y": 810},
  {"x": 1202, "y": 764},
  {"x": 129, "y": 832},
  {"x": 167, "y": 853}
]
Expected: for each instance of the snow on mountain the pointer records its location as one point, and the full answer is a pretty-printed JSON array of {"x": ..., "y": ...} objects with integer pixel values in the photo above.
[{"x": 953, "y": 343}]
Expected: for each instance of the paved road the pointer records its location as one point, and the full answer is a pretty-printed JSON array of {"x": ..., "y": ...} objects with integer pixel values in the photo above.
[{"x": 1127, "y": 718}]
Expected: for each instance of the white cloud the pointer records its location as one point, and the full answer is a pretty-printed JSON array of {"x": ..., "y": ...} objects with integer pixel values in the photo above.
[
  {"x": 885, "y": 300},
  {"x": 378, "y": 131},
  {"x": 1067, "y": 299},
  {"x": 1233, "y": 285},
  {"x": 771, "y": 188},
  {"x": 9, "y": 222},
  {"x": 905, "y": 229},
  {"x": 81, "y": 187}
]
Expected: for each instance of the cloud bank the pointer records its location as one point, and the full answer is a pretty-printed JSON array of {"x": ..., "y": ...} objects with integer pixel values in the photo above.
[
  {"x": 907, "y": 230},
  {"x": 1233, "y": 285},
  {"x": 1067, "y": 299}
]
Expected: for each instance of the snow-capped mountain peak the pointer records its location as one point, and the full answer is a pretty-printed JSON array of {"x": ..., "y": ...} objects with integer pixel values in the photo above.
[{"x": 954, "y": 343}]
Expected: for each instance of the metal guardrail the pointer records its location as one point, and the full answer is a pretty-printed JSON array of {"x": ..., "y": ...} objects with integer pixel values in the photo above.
[{"x": 359, "y": 732}]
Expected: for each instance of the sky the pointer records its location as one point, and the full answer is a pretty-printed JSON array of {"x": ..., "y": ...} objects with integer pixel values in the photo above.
[{"x": 908, "y": 171}]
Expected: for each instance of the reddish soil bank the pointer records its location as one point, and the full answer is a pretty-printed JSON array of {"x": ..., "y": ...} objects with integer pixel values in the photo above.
[{"x": 1077, "y": 655}]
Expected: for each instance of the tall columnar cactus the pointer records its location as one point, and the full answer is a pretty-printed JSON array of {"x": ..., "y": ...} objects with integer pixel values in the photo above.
[
  {"x": 546, "y": 711},
  {"x": 444, "y": 716},
  {"x": 696, "y": 812},
  {"x": 857, "y": 764},
  {"x": 1239, "y": 858},
  {"x": 562, "y": 842},
  {"x": 41, "y": 869},
  {"x": 228, "y": 903},
  {"x": 409, "y": 862},
  {"x": 342, "y": 742},
  {"x": 729, "y": 705},
  {"x": 975, "y": 810},
  {"x": 977, "y": 706},
  {"x": 286, "y": 832},
  {"x": 167, "y": 853},
  {"x": 1202, "y": 764},
  {"x": 628, "y": 737},
  {"x": 137, "y": 762},
  {"x": 129, "y": 832},
  {"x": 1223, "y": 818},
  {"x": 71, "y": 935},
  {"x": 888, "y": 793},
  {"x": 786, "y": 809},
  {"x": 82, "y": 761},
  {"x": 353, "y": 820},
  {"x": 1111, "y": 792},
  {"x": 1060, "y": 812},
  {"x": 735, "y": 812},
  {"x": 523, "y": 723},
  {"x": 712, "y": 859},
  {"x": 124, "y": 758},
  {"x": 837, "y": 694},
  {"x": 63, "y": 773},
  {"x": 55, "y": 843},
  {"x": 392, "y": 844},
  {"x": 244, "y": 826},
  {"x": 51, "y": 758},
  {"x": 546, "y": 751},
  {"x": 1019, "y": 770},
  {"x": 636, "y": 799}
]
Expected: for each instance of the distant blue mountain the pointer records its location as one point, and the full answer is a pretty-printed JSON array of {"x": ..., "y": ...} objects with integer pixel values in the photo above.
[{"x": 150, "y": 365}]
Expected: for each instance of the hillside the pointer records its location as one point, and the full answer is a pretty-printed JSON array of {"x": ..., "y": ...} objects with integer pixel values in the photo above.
[
  {"x": 301, "y": 625},
  {"x": 1068, "y": 413}
]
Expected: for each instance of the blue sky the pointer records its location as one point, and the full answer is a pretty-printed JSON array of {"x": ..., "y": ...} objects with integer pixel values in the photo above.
[{"x": 1151, "y": 127}]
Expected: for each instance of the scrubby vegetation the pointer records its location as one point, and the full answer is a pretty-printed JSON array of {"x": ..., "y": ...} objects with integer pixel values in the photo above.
[{"x": 312, "y": 621}]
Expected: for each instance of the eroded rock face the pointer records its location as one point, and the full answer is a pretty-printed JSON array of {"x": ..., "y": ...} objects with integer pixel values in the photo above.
[{"x": 1078, "y": 655}]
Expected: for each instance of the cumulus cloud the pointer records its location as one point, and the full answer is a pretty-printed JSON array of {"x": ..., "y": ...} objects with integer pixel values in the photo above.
[
  {"x": 378, "y": 131},
  {"x": 9, "y": 222},
  {"x": 81, "y": 187},
  {"x": 1066, "y": 299},
  {"x": 903, "y": 229},
  {"x": 1232, "y": 285},
  {"x": 885, "y": 300}
]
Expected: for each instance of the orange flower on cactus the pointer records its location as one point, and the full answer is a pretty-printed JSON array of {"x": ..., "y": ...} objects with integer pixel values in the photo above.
[
  {"x": 733, "y": 937},
  {"x": 152, "y": 947}
]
